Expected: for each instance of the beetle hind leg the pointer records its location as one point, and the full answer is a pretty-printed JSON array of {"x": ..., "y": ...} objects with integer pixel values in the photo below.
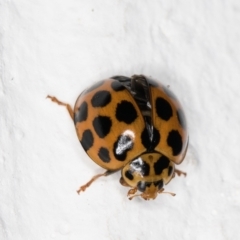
[{"x": 69, "y": 108}]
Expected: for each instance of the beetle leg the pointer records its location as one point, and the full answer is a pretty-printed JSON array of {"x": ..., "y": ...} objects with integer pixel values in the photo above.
[
  {"x": 83, "y": 187},
  {"x": 179, "y": 173},
  {"x": 132, "y": 192},
  {"x": 122, "y": 181},
  {"x": 69, "y": 108}
]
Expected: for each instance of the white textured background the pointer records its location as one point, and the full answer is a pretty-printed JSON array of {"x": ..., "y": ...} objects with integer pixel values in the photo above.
[{"x": 59, "y": 47}]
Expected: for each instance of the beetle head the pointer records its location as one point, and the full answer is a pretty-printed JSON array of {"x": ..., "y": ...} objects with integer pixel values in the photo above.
[{"x": 147, "y": 174}]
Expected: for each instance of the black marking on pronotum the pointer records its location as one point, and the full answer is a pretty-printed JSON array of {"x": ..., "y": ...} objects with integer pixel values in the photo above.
[
  {"x": 161, "y": 164},
  {"x": 128, "y": 174},
  {"x": 141, "y": 186},
  {"x": 138, "y": 165},
  {"x": 159, "y": 184}
]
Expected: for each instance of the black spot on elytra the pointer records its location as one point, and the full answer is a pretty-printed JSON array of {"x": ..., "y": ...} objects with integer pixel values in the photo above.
[
  {"x": 149, "y": 143},
  {"x": 82, "y": 113},
  {"x": 170, "y": 170},
  {"x": 138, "y": 165},
  {"x": 160, "y": 165},
  {"x": 87, "y": 139},
  {"x": 181, "y": 118},
  {"x": 102, "y": 125},
  {"x": 125, "y": 112},
  {"x": 129, "y": 175},
  {"x": 159, "y": 184},
  {"x": 146, "y": 142},
  {"x": 120, "y": 148},
  {"x": 117, "y": 86},
  {"x": 94, "y": 86},
  {"x": 174, "y": 140},
  {"x": 163, "y": 109},
  {"x": 121, "y": 78},
  {"x": 103, "y": 154},
  {"x": 101, "y": 99},
  {"x": 141, "y": 186}
]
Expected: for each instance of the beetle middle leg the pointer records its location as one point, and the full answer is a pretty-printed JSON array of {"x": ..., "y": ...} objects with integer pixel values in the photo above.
[
  {"x": 69, "y": 108},
  {"x": 179, "y": 173},
  {"x": 83, "y": 187}
]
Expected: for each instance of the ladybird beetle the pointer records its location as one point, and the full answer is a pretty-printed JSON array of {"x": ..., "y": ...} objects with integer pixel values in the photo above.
[{"x": 134, "y": 125}]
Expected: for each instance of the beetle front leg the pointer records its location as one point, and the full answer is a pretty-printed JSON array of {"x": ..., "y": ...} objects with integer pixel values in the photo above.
[{"x": 131, "y": 193}]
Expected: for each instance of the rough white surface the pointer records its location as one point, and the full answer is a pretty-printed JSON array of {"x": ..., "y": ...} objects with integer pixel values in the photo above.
[{"x": 60, "y": 47}]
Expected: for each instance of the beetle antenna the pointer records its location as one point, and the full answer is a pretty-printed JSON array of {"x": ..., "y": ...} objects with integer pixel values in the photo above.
[{"x": 173, "y": 194}]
